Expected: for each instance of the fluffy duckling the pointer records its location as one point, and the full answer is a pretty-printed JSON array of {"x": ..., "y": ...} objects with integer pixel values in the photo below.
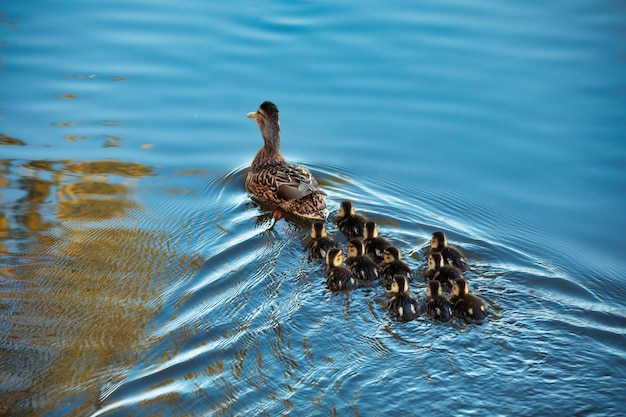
[
  {"x": 350, "y": 222},
  {"x": 273, "y": 181},
  {"x": 436, "y": 305},
  {"x": 451, "y": 255},
  {"x": 320, "y": 243},
  {"x": 362, "y": 266},
  {"x": 338, "y": 276},
  {"x": 374, "y": 244},
  {"x": 392, "y": 265},
  {"x": 435, "y": 261},
  {"x": 437, "y": 270},
  {"x": 467, "y": 305},
  {"x": 400, "y": 302}
]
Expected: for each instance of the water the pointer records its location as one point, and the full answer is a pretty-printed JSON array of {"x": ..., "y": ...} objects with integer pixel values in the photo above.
[{"x": 138, "y": 278}]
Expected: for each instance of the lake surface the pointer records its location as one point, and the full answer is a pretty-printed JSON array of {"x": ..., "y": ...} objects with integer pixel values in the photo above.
[{"x": 138, "y": 278}]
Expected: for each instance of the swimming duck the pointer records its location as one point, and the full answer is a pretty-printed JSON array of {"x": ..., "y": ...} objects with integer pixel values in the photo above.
[
  {"x": 374, "y": 244},
  {"x": 436, "y": 305},
  {"x": 350, "y": 222},
  {"x": 320, "y": 242},
  {"x": 273, "y": 181},
  {"x": 451, "y": 255},
  {"x": 400, "y": 302},
  {"x": 465, "y": 304},
  {"x": 338, "y": 276},
  {"x": 392, "y": 265},
  {"x": 437, "y": 270},
  {"x": 362, "y": 266}
]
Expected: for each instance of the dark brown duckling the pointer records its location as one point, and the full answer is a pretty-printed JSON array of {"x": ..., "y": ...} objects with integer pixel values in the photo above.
[
  {"x": 436, "y": 305},
  {"x": 349, "y": 222},
  {"x": 273, "y": 181},
  {"x": 467, "y": 305},
  {"x": 401, "y": 304},
  {"x": 392, "y": 265},
  {"x": 362, "y": 266},
  {"x": 451, "y": 255},
  {"x": 435, "y": 261},
  {"x": 338, "y": 276},
  {"x": 374, "y": 244},
  {"x": 320, "y": 243},
  {"x": 437, "y": 270}
]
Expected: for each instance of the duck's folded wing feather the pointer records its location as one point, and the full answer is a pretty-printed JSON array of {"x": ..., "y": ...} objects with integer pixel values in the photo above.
[{"x": 295, "y": 182}]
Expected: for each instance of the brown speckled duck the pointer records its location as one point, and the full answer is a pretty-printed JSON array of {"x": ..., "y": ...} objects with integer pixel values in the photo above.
[{"x": 275, "y": 182}]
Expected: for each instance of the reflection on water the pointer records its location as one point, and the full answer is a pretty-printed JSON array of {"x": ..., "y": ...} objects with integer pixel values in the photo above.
[
  {"x": 8, "y": 140},
  {"x": 76, "y": 291}
]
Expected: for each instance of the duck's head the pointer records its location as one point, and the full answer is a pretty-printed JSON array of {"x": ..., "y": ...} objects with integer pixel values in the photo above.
[
  {"x": 435, "y": 261},
  {"x": 346, "y": 208},
  {"x": 334, "y": 257},
  {"x": 438, "y": 240},
  {"x": 370, "y": 231},
  {"x": 460, "y": 287},
  {"x": 391, "y": 254},
  {"x": 318, "y": 230},
  {"x": 399, "y": 284},
  {"x": 355, "y": 247},
  {"x": 267, "y": 118},
  {"x": 434, "y": 288}
]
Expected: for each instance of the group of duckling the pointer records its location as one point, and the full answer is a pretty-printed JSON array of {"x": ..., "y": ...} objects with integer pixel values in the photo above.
[{"x": 372, "y": 259}]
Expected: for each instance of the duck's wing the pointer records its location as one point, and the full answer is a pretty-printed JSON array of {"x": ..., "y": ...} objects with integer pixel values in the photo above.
[{"x": 294, "y": 182}]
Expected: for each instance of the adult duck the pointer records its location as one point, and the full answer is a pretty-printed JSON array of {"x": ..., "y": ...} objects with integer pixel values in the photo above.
[{"x": 273, "y": 181}]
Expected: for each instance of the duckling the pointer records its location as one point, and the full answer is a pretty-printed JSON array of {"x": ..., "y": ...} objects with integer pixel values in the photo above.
[
  {"x": 338, "y": 276},
  {"x": 350, "y": 223},
  {"x": 435, "y": 261},
  {"x": 400, "y": 302},
  {"x": 362, "y": 266},
  {"x": 445, "y": 274},
  {"x": 436, "y": 305},
  {"x": 465, "y": 304},
  {"x": 374, "y": 244},
  {"x": 273, "y": 181},
  {"x": 320, "y": 242},
  {"x": 451, "y": 255},
  {"x": 392, "y": 265}
]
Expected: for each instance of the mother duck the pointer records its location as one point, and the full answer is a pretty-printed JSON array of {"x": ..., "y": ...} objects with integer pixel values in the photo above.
[{"x": 273, "y": 181}]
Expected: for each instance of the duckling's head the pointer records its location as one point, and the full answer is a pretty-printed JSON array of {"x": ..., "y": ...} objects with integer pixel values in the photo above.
[
  {"x": 355, "y": 247},
  {"x": 267, "y": 118},
  {"x": 460, "y": 287},
  {"x": 399, "y": 284},
  {"x": 334, "y": 257},
  {"x": 438, "y": 240},
  {"x": 318, "y": 230},
  {"x": 346, "y": 208},
  {"x": 370, "y": 231},
  {"x": 434, "y": 288},
  {"x": 391, "y": 254},
  {"x": 435, "y": 261}
]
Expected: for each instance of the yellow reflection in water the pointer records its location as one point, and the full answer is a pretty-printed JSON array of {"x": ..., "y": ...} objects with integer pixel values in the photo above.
[
  {"x": 77, "y": 294},
  {"x": 8, "y": 140}
]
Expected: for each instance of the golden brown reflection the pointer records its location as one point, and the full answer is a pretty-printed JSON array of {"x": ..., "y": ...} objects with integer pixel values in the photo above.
[
  {"x": 8, "y": 140},
  {"x": 77, "y": 293}
]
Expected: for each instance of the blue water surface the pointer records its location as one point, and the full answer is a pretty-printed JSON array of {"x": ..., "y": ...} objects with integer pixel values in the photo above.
[{"x": 137, "y": 277}]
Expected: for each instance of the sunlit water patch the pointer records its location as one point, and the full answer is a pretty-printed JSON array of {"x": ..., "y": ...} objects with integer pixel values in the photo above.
[{"x": 256, "y": 331}]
